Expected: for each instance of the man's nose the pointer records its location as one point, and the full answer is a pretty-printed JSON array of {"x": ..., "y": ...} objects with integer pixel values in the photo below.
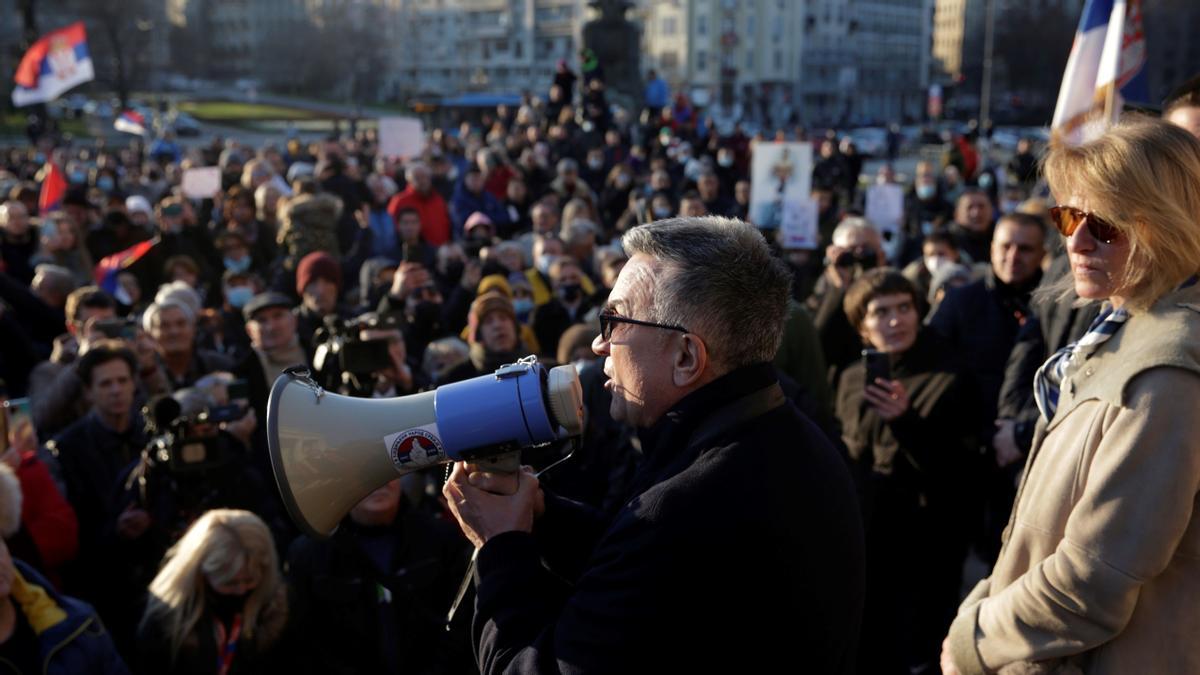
[{"x": 600, "y": 345}]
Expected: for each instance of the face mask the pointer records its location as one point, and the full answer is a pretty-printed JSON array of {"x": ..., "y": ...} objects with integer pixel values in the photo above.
[
  {"x": 452, "y": 174},
  {"x": 543, "y": 264},
  {"x": 1009, "y": 205},
  {"x": 238, "y": 296},
  {"x": 935, "y": 263},
  {"x": 926, "y": 192},
  {"x": 237, "y": 266},
  {"x": 595, "y": 164},
  {"x": 725, "y": 161},
  {"x": 105, "y": 183},
  {"x": 39, "y": 158},
  {"x": 661, "y": 212},
  {"x": 985, "y": 181},
  {"x": 570, "y": 292},
  {"x": 523, "y": 307},
  {"x": 78, "y": 177},
  {"x": 226, "y": 605},
  {"x": 622, "y": 181}
]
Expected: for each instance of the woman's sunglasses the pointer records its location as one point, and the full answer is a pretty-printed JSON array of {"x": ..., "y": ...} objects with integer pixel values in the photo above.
[{"x": 1068, "y": 219}]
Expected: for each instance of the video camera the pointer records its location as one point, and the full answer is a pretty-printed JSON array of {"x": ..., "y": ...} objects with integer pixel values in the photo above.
[
  {"x": 343, "y": 361},
  {"x": 187, "y": 444}
]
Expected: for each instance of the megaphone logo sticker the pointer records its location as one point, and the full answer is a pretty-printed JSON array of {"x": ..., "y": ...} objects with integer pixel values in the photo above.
[{"x": 418, "y": 445}]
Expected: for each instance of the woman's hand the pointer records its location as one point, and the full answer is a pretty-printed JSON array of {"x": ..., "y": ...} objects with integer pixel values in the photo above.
[{"x": 888, "y": 397}]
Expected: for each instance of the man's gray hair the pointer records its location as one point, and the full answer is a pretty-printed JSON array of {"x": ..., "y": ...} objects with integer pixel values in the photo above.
[
  {"x": 849, "y": 225},
  {"x": 181, "y": 292},
  {"x": 154, "y": 311},
  {"x": 719, "y": 280},
  {"x": 410, "y": 171}
]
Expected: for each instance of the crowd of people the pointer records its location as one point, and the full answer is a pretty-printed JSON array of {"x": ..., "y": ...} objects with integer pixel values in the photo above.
[{"x": 141, "y": 330}]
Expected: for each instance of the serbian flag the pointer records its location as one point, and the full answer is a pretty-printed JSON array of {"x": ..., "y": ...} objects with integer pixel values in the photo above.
[
  {"x": 55, "y": 63},
  {"x": 54, "y": 188},
  {"x": 131, "y": 122},
  {"x": 1106, "y": 69},
  {"x": 110, "y": 267}
]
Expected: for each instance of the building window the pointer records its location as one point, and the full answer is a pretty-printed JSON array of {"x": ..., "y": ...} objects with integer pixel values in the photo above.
[
  {"x": 669, "y": 25},
  {"x": 519, "y": 49},
  {"x": 669, "y": 60},
  {"x": 778, "y": 60},
  {"x": 702, "y": 26},
  {"x": 701, "y": 60},
  {"x": 750, "y": 60},
  {"x": 750, "y": 26}
]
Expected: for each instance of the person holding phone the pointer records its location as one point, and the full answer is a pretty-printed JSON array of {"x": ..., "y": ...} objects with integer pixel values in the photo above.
[{"x": 905, "y": 421}]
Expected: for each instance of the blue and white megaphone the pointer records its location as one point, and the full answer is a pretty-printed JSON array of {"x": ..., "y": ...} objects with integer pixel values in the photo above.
[{"x": 331, "y": 451}]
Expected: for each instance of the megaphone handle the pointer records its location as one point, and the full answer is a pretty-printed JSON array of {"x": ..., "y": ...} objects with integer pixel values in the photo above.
[
  {"x": 507, "y": 463},
  {"x": 509, "y": 460}
]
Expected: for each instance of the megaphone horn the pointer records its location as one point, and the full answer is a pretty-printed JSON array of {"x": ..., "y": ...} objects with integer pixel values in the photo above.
[{"x": 329, "y": 451}]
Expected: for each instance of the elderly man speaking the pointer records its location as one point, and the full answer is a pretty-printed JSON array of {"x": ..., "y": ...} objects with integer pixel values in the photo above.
[{"x": 739, "y": 547}]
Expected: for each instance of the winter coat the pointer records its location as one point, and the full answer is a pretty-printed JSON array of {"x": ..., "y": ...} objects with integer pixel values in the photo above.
[
  {"x": 354, "y": 617},
  {"x": 71, "y": 640},
  {"x": 738, "y": 548},
  {"x": 1100, "y": 566}
]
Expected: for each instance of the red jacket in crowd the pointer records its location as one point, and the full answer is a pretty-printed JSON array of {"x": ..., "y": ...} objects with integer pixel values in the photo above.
[{"x": 435, "y": 216}]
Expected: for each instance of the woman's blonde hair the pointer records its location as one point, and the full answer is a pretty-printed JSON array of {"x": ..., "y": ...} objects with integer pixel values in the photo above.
[
  {"x": 1143, "y": 176},
  {"x": 218, "y": 546}
]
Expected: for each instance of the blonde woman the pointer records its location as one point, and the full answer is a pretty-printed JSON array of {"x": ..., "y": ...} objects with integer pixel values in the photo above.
[
  {"x": 218, "y": 605},
  {"x": 1100, "y": 567}
]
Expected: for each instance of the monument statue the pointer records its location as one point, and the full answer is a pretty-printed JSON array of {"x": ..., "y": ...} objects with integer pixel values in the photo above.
[{"x": 616, "y": 42}]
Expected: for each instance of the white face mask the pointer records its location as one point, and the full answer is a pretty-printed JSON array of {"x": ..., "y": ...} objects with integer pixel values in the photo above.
[{"x": 937, "y": 262}]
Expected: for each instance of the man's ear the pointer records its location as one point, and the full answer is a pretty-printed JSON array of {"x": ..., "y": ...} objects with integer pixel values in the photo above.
[{"x": 690, "y": 361}]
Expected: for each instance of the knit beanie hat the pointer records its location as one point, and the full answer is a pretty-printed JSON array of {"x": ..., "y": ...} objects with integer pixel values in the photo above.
[{"x": 317, "y": 265}]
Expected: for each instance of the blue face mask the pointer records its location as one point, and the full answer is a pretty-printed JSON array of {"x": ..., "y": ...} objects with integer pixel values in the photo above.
[
  {"x": 78, "y": 178},
  {"x": 238, "y": 296},
  {"x": 543, "y": 264},
  {"x": 523, "y": 308},
  {"x": 105, "y": 183},
  {"x": 926, "y": 191},
  {"x": 237, "y": 266}
]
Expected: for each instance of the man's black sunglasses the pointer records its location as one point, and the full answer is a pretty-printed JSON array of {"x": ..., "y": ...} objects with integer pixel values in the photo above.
[{"x": 607, "y": 320}]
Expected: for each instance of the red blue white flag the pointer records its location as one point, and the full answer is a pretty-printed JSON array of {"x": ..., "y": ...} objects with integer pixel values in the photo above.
[
  {"x": 54, "y": 188},
  {"x": 131, "y": 122},
  {"x": 1106, "y": 69},
  {"x": 55, "y": 63},
  {"x": 110, "y": 267}
]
